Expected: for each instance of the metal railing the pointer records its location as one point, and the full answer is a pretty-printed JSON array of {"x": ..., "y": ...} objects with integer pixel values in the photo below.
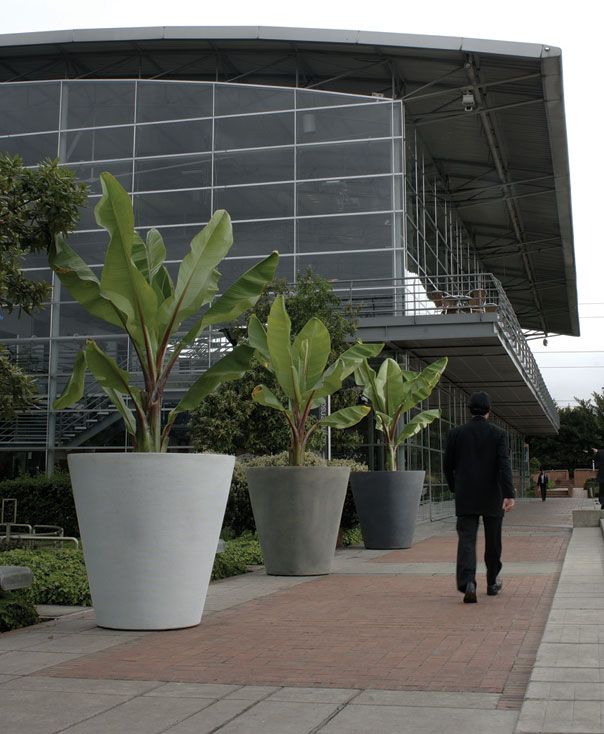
[{"x": 449, "y": 296}]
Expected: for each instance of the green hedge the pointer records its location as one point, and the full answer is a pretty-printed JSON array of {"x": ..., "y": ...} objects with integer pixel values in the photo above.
[
  {"x": 17, "y": 610},
  {"x": 43, "y": 500},
  {"x": 59, "y": 576}
]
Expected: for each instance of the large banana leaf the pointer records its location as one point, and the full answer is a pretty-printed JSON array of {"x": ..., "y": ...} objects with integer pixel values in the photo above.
[
  {"x": 345, "y": 417},
  {"x": 121, "y": 281},
  {"x": 149, "y": 255},
  {"x": 239, "y": 297},
  {"x": 311, "y": 349},
  {"x": 231, "y": 367},
  {"x": 417, "y": 424},
  {"x": 278, "y": 339},
  {"x": 265, "y": 396},
  {"x": 197, "y": 281},
  {"x": 344, "y": 365},
  {"x": 256, "y": 336},
  {"x": 75, "y": 387},
  {"x": 109, "y": 375},
  {"x": 81, "y": 282}
]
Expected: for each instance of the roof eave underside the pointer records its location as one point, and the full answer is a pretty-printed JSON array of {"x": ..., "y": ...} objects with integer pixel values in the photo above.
[{"x": 512, "y": 192}]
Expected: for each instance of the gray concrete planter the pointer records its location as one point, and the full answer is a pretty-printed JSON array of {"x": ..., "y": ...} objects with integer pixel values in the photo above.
[
  {"x": 387, "y": 503},
  {"x": 297, "y": 511}
]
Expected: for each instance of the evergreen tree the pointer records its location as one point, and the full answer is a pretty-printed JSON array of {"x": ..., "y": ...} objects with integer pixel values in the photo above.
[{"x": 35, "y": 205}]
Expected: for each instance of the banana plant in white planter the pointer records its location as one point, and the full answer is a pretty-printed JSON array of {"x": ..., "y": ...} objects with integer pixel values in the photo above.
[
  {"x": 150, "y": 520},
  {"x": 387, "y": 501},
  {"x": 298, "y": 508}
]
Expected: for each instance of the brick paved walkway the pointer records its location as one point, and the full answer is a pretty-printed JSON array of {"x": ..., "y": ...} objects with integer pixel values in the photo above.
[{"x": 363, "y": 631}]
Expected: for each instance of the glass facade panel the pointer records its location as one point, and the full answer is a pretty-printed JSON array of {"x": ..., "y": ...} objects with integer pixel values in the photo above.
[
  {"x": 173, "y": 138},
  {"x": 182, "y": 172},
  {"x": 158, "y": 101},
  {"x": 362, "y": 122},
  {"x": 97, "y": 145},
  {"x": 92, "y": 104},
  {"x": 361, "y": 232},
  {"x": 256, "y": 202},
  {"x": 345, "y": 196},
  {"x": 238, "y": 99},
  {"x": 308, "y": 98},
  {"x": 172, "y": 207},
  {"x": 90, "y": 173},
  {"x": 260, "y": 238},
  {"x": 254, "y": 131},
  {"x": 19, "y": 325},
  {"x": 253, "y": 166},
  {"x": 348, "y": 266},
  {"x": 31, "y": 148},
  {"x": 344, "y": 159},
  {"x": 29, "y": 108}
]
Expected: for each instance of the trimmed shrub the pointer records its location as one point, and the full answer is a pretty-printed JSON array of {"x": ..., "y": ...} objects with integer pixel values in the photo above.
[
  {"x": 59, "y": 576},
  {"x": 239, "y": 517},
  {"x": 237, "y": 556},
  {"x": 352, "y": 536},
  {"x": 17, "y": 610},
  {"x": 43, "y": 500}
]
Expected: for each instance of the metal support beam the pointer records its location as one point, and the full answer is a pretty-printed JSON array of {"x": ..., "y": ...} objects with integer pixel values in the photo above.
[{"x": 488, "y": 127}]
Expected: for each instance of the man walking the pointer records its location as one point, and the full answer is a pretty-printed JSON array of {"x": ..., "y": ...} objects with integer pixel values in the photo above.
[
  {"x": 542, "y": 481},
  {"x": 599, "y": 466},
  {"x": 478, "y": 471}
]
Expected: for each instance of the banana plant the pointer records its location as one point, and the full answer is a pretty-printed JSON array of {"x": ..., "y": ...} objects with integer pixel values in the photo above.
[
  {"x": 392, "y": 392},
  {"x": 136, "y": 293},
  {"x": 300, "y": 369}
]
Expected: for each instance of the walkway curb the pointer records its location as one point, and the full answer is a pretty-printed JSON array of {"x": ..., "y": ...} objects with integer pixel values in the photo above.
[{"x": 566, "y": 688}]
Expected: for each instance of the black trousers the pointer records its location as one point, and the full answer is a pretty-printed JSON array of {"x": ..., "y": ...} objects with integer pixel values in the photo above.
[
  {"x": 467, "y": 529},
  {"x": 543, "y": 489},
  {"x": 601, "y": 494}
]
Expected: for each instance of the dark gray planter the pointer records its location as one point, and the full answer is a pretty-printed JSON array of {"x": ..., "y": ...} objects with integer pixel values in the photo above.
[
  {"x": 387, "y": 503},
  {"x": 297, "y": 511}
]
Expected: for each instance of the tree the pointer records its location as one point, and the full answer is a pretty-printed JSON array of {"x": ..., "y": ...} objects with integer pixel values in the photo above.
[
  {"x": 35, "y": 205},
  {"x": 228, "y": 421},
  {"x": 581, "y": 427}
]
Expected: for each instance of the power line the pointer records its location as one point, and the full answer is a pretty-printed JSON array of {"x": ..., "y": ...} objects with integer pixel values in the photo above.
[{"x": 572, "y": 351}]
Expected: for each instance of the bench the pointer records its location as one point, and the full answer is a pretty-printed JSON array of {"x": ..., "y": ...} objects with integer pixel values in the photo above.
[{"x": 15, "y": 577}]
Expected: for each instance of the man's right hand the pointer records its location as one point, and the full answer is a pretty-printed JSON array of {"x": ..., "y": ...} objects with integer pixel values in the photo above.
[{"x": 508, "y": 504}]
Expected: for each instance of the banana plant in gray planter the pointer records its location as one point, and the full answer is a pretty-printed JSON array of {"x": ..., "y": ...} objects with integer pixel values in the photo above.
[
  {"x": 150, "y": 520},
  {"x": 387, "y": 501},
  {"x": 297, "y": 508}
]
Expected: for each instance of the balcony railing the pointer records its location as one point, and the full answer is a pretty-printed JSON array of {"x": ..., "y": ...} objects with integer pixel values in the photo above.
[{"x": 450, "y": 296}]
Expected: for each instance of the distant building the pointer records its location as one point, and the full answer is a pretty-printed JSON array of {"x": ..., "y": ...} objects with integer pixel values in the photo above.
[{"x": 427, "y": 177}]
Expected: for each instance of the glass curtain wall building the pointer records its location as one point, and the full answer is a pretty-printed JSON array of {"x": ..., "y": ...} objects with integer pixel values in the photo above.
[{"x": 316, "y": 175}]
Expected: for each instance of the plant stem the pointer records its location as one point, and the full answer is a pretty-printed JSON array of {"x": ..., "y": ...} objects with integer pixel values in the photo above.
[{"x": 391, "y": 463}]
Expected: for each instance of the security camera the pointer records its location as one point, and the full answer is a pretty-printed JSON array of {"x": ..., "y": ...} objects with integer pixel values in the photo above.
[{"x": 468, "y": 101}]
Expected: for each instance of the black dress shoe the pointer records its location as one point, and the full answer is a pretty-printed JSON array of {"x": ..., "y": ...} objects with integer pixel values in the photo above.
[
  {"x": 494, "y": 589},
  {"x": 470, "y": 596}
]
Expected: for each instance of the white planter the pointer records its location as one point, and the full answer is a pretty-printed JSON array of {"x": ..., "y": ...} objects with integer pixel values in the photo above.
[{"x": 150, "y": 525}]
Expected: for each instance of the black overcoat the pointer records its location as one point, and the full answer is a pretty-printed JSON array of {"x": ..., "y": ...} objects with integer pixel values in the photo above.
[{"x": 477, "y": 467}]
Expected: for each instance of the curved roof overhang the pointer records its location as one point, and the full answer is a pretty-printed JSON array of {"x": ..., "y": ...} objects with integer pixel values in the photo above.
[{"x": 505, "y": 160}]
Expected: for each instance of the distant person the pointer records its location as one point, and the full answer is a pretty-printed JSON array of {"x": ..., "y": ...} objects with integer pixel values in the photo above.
[
  {"x": 599, "y": 466},
  {"x": 478, "y": 470},
  {"x": 542, "y": 481}
]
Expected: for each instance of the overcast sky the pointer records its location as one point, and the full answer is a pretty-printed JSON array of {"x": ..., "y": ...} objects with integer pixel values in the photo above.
[{"x": 574, "y": 27}]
